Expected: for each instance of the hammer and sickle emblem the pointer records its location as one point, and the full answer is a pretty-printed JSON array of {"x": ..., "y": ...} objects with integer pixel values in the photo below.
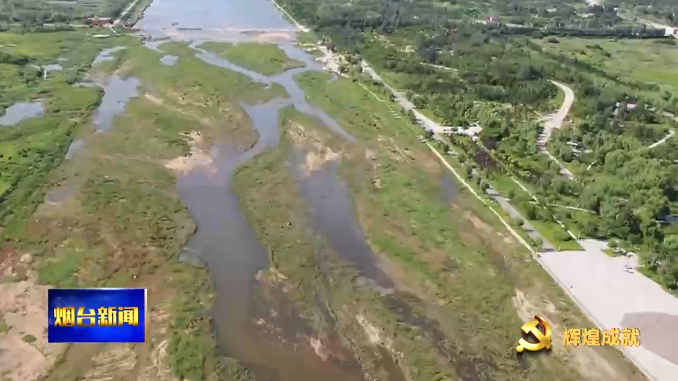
[{"x": 542, "y": 336}]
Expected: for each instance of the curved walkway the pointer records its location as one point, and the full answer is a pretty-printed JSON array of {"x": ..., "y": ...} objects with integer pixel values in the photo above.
[{"x": 554, "y": 122}]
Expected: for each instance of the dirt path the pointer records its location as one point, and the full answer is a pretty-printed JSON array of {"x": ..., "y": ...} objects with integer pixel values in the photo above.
[{"x": 591, "y": 295}]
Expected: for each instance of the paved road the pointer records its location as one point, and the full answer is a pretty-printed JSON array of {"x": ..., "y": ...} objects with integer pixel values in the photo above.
[
  {"x": 514, "y": 213},
  {"x": 598, "y": 284},
  {"x": 554, "y": 122},
  {"x": 437, "y": 129},
  {"x": 608, "y": 294},
  {"x": 125, "y": 12},
  {"x": 614, "y": 298},
  {"x": 669, "y": 135},
  {"x": 668, "y": 30}
]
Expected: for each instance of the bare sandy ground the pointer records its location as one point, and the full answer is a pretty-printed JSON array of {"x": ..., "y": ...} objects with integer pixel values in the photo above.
[
  {"x": 615, "y": 298},
  {"x": 24, "y": 352},
  {"x": 196, "y": 158}
]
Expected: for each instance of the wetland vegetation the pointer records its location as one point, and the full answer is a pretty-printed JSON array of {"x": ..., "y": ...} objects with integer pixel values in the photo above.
[
  {"x": 120, "y": 222},
  {"x": 454, "y": 285},
  {"x": 264, "y": 58}
]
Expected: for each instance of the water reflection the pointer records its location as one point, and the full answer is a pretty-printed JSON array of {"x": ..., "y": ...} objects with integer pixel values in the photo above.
[
  {"x": 75, "y": 146},
  {"x": 224, "y": 240},
  {"x": 211, "y": 18},
  {"x": 117, "y": 93},
  {"x": 21, "y": 111},
  {"x": 169, "y": 60},
  {"x": 106, "y": 55}
]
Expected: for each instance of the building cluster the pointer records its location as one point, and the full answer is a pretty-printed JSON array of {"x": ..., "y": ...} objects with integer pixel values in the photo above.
[{"x": 472, "y": 131}]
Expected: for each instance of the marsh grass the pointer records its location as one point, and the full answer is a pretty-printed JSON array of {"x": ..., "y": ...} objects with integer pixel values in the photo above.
[
  {"x": 267, "y": 59},
  {"x": 34, "y": 147},
  {"x": 124, "y": 224}
]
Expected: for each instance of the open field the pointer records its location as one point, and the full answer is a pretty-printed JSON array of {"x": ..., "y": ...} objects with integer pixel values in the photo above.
[{"x": 630, "y": 60}]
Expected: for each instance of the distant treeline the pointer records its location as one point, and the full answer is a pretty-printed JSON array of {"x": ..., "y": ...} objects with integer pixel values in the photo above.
[{"x": 640, "y": 33}]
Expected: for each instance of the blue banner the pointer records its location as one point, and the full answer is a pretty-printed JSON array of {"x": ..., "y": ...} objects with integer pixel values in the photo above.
[{"x": 96, "y": 315}]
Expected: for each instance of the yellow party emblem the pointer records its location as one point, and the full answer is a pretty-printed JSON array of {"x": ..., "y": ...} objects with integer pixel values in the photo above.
[{"x": 539, "y": 331}]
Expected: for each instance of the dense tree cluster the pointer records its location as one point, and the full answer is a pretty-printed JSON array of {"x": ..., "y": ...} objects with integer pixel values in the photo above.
[
  {"x": 37, "y": 12},
  {"x": 496, "y": 75},
  {"x": 662, "y": 10}
]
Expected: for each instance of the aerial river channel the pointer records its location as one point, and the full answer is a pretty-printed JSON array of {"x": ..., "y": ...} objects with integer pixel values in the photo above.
[{"x": 224, "y": 242}]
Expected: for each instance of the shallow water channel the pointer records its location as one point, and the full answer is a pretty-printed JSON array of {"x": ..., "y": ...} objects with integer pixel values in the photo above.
[
  {"x": 227, "y": 245},
  {"x": 20, "y": 111}
]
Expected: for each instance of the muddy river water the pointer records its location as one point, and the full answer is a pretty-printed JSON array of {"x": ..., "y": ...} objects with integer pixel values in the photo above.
[{"x": 224, "y": 241}]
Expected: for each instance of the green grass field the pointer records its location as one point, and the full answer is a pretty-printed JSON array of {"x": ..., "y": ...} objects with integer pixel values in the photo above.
[
  {"x": 636, "y": 60},
  {"x": 471, "y": 285},
  {"x": 35, "y": 146}
]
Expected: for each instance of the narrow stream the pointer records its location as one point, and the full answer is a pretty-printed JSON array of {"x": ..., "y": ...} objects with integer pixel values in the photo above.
[
  {"x": 229, "y": 247},
  {"x": 116, "y": 94},
  {"x": 107, "y": 55}
]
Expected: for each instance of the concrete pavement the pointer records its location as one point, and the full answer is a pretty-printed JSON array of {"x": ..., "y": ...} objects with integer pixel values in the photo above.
[
  {"x": 437, "y": 129},
  {"x": 614, "y": 298},
  {"x": 425, "y": 122}
]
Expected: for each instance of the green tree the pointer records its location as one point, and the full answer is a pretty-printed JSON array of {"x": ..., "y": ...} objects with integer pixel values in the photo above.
[{"x": 530, "y": 212}]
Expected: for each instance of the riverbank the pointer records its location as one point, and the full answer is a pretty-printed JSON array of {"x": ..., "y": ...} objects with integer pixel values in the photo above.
[
  {"x": 333, "y": 254},
  {"x": 265, "y": 58}
]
